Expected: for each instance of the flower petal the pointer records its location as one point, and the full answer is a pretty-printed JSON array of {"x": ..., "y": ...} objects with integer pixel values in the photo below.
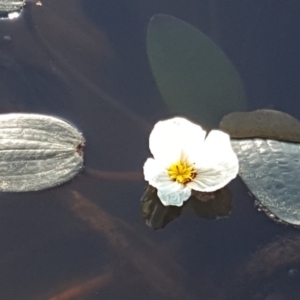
[
  {"x": 157, "y": 176},
  {"x": 170, "y": 139},
  {"x": 176, "y": 198},
  {"x": 165, "y": 185},
  {"x": 217, "y": 165},
  {"x": 151, "y": 169}
]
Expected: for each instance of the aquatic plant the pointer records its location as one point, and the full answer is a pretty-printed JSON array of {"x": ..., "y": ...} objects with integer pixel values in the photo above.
[
  {"x": 197, "y": 81},
  {"x": 37, "y": 152},
  {"x": 269, "y": 159},
  {"x": 185, "y": 160},
  {"x": 193, "y": 75}
]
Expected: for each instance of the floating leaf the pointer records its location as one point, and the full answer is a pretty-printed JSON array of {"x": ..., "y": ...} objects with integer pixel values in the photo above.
[
  {"x": 264, "y": 123},
  {"x": 269, "y": 166},
  {"x": 10, "y": 6},
  {"x": 193, "y": 74},
  {"x": 37, "y": 152},
  {"x": 271, "y": 170}
]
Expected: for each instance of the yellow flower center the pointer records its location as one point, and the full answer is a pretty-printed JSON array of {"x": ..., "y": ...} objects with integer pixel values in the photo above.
[{"x": 182, "y": 172}]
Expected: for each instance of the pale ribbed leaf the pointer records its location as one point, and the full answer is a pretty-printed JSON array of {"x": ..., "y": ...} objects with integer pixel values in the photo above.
[
  {"x": 37, "y": 152},
  {"x": 271, "y": 170},
  {"x": 10, "y": 6}
]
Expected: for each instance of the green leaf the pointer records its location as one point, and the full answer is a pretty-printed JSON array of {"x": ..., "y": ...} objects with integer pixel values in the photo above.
[
  {"x": 155, "y": 214},
  {"x": 37, "y": 152},
  {"x": 193, "y": 74},
  {"x": 213, "y": 205},
  {"x": 263, "y": 123},
  {"x": 269, "y": 161},
  {"x": 271, "y": 171}
]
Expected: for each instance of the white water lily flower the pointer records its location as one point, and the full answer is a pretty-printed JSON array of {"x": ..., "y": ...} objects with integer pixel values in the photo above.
[{"x": 185, "y": 160}]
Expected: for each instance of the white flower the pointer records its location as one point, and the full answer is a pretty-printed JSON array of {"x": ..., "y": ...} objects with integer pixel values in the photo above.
[{"x": 185, "y": 160}]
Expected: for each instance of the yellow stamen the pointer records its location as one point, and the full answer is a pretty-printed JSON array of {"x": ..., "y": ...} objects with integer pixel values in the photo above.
[{"x": 182, "y": 172}]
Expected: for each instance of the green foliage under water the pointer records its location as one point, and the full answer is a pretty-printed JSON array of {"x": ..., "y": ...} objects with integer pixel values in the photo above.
[{"x": 194, "y": 76}]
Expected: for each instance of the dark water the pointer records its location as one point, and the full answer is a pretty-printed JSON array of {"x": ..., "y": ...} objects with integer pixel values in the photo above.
[{"x": 86, "y": 61}]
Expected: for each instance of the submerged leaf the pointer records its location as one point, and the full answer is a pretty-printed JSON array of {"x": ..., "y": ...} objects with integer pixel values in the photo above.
[
  {"x": 155, "y": 214},
  {"x": 271, "y": 170},
  {"x": 263, "y": 123},
  {"x": 212, "y": 205},
  {"x": 193, "y": 74},
  {"x": 37, "y": 152}
]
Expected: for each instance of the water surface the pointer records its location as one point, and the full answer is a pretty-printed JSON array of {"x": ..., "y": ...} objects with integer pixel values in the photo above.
[{"x": 85, "y": 61}]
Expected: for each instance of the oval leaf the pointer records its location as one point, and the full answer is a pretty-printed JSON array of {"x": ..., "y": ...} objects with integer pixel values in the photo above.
[
  {"x": 37, "y": 152},
  {"x": 271, "y": 170},
  {"x": 263, "y": 123},
  {"x": 193, "y": 74}
]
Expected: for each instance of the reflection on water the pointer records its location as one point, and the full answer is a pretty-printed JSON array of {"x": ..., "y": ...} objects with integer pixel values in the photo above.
[
  {"x": 148, "y": 264},
  {"x": 206, "y": 205},
  {"x": 83, "y": 288},
  {"x": 85, "y": 61}
]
